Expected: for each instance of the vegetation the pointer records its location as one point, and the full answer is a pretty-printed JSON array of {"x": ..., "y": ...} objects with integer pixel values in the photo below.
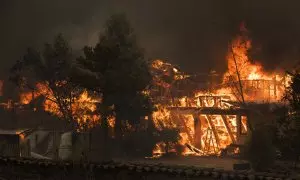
[
  {"x": 170, "y": 137},
  {"x": 288, "y": 130},
  {"x": 139, "y": 143},
  {"x": 115, "y": 70},
  {"x": 51, "y": 69},
  {"x": 293, "y": 96},
  {"x": 260, "y": 149},
  {"x": 266, "y": 139},
  {"x": 122, "y": 73},
  {"x": 118, "y": 71}
]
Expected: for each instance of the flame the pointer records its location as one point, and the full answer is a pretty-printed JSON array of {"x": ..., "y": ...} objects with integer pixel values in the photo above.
[
  {"x": 111, "y": 121},
  {"x": 217, "y": 132},
  {"x": 237, "y": 58},
  {"x": 162, "y": 118},
  {"x": 162, "y": 69},
  {"x": 257, "y": 84},
  {"x": 239, "y": 62},
  {"x": 21, "y": 135},
  {"x": 83, "y": 107}
]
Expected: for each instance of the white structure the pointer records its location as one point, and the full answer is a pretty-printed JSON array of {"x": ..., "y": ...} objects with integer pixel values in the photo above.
[{"x": 58, "y": 145}]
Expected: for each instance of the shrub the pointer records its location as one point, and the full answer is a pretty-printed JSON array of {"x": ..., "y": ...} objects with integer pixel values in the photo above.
[{"x": 259, "y": 149}]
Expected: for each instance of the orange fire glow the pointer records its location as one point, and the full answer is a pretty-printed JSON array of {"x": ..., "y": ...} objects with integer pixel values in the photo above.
[
  {"x": 218, "y": 131},
  {"x": 83, "y": 107},
  {"x": 257, "y": 84}
]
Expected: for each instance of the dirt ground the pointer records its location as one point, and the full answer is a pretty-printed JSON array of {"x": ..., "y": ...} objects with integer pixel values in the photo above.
[{"x": 202, "y": 162}]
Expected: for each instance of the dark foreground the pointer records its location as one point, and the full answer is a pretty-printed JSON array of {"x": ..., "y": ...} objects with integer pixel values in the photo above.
[{"x": 12, "y": 168}]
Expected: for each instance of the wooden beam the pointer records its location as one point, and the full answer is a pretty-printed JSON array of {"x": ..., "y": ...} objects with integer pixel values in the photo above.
[
  {"x": 198, "y": 133},
  {"x": 238, "y": 128},
  {"x": 187, "y": 130},
  {"x": 213, "y": 128},
  {"x": 275, "y": 87},
  {"x": 208, "y": 111},
  {"x": 228, "y": 129}
]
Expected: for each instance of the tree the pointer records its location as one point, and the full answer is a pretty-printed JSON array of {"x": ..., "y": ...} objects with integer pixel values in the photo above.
[
  {"x": 288, "y": 130},
  {"x": 48, "y": 74},
  {"x": 293, "y": 95},
  {"x": 119, "y": 72}
]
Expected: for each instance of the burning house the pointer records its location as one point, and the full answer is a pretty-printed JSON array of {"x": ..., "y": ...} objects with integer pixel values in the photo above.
[
  {"x": 209, "y": 110},
  {"x": 212, "y": 120}
]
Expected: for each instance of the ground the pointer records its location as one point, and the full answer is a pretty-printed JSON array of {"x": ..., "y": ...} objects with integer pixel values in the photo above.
[{"x": 202, "y": 162}]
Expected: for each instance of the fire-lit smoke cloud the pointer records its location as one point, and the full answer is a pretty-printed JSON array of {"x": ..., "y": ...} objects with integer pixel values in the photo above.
[{"x": 193, "y": 34}]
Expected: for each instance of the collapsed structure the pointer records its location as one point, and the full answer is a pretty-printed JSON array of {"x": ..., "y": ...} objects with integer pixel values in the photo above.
[{"x": 212, "y": 120}]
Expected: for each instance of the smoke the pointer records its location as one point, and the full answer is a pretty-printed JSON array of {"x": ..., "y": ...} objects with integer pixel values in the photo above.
[
  {"x": 193, "y": 34},
  {"x": 275, "y": 31}
]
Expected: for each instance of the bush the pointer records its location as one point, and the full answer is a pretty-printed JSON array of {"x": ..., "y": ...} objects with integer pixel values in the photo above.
[
  {"x": 170, "y": 137},
  {"x": 179, "y": 149},
  {"x": 259, "y": 149},
  {"x": 139, "y": 143}
]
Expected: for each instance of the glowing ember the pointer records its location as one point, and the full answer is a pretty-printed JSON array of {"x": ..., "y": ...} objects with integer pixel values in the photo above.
[
  {"x": 21, "y": 135},
  {"x": 111, "y": 121}
]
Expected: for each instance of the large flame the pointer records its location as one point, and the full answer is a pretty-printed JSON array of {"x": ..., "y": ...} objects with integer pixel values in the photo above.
[
  {"x": 216, "y": 132},
  {"x": 256, "y": 84},
  {"x": 203, "y": 134},
  {"x": 82, "y": 107}
]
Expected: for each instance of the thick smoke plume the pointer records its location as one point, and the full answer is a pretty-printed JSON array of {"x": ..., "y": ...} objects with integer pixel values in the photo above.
[{"x": 193, "y": 34}]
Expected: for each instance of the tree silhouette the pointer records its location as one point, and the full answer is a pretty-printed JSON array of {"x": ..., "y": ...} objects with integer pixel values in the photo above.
[
  {"x": 293, "y": 95},
  {"x": 117, "y": 69},
  {"x": 288, "y": 125}
]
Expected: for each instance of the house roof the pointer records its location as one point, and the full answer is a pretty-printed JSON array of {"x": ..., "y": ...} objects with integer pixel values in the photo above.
[{"x": 13, "y": 131}]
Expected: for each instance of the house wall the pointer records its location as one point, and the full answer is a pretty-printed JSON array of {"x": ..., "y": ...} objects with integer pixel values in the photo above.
[{"x": 9, "y": 145}]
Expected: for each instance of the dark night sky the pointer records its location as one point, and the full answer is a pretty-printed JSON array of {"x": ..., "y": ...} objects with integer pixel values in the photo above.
[{"x": 191, "y": 33}]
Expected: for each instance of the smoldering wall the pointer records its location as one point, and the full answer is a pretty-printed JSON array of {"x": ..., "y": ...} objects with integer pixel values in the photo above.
[{"x": 193, "y": 34}]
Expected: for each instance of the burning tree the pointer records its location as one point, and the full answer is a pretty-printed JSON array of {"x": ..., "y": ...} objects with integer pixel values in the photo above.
[{"x": 48, "y": 74}]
